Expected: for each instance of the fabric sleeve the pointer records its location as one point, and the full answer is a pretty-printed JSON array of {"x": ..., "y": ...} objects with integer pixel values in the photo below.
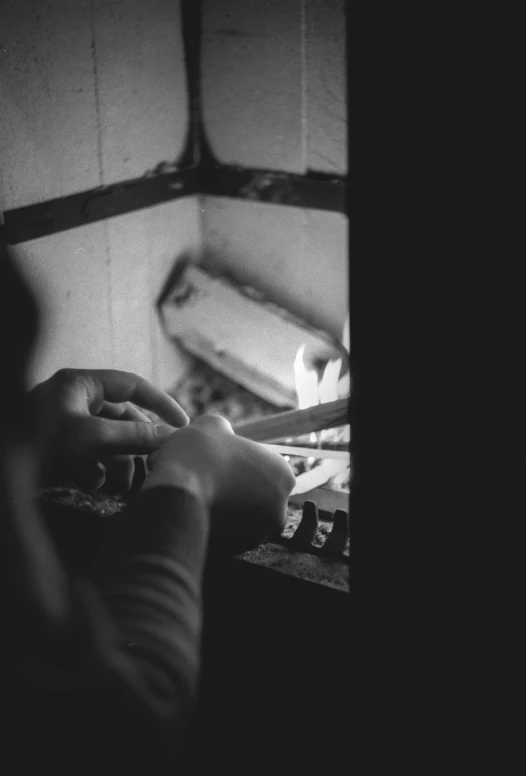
[{"x": 113, "y": 689}]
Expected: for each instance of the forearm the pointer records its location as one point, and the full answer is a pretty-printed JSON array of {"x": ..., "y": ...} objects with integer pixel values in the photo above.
[
  {"x": 120, "y": 683},
  {"x": 149, "y": 574}
]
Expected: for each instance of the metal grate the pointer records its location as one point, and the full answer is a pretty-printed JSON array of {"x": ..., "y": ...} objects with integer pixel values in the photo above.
[{"x": 307, "y": 534}]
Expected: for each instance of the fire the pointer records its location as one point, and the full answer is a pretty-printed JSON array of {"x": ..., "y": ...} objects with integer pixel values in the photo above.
[
  {"x": 306, "y": 388},
  {"x": 311, "y": 391},
  {"x": 306, "y": 381}
]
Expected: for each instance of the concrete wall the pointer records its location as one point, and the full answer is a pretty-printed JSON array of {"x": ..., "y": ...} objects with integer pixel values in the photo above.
[
  {"x": 93, "y": 93},
  {"x": 274, "y": 97}
]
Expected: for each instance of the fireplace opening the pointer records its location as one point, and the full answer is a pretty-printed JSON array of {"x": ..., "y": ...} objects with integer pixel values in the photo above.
[{"x": 254, "y": 362}]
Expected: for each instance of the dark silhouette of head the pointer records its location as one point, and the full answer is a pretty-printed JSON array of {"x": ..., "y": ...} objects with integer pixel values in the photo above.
[{"x": 19, "y": 319}]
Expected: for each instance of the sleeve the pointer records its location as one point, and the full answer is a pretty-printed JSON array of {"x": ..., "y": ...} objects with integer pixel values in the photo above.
[
  {"x": 149, "y": 574},
  {"x": 116, "y": 692}
]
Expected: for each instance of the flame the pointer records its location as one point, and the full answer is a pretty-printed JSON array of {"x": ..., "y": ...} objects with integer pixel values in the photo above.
[
  {"x": 344, "y": 389},
  {"x": 306, "y": 382},
  {"x": 311, "y": 391},
  {"x": 306, "y": 388},
  {"x": 346, "y": 335},
  {"x": 328, "y": 387}
]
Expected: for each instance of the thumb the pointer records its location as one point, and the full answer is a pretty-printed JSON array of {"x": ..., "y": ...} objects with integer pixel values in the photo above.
[
  {"x": 152, "y": 460},
  {"x": 125, "y": 437},
  {"x": 213, "y": 422}
]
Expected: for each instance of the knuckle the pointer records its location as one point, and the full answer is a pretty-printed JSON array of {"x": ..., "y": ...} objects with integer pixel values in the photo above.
[
  {"x": 99, "y": 435},
  {"x": 65, "y": 376},
  {"x": 131, "y": 381},
  {"x": 129, "y": 386},
  {"x": 146, "y": 435},
  {"x": 67, "y": 379}
]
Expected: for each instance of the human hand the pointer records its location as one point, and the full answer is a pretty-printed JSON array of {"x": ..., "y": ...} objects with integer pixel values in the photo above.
[
  {"x": 90, "y": 428},
  {"x": 244, "y": 486}
]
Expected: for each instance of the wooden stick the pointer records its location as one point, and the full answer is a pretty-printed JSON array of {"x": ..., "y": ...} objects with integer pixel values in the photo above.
[
  {"x": 305, "y": 444},
  {"x": 296, "y": 422},
  {"x": 309, "y": 452}
]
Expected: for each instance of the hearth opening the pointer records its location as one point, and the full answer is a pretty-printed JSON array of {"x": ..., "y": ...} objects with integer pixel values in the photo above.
[{"x": 265, "y": 369}]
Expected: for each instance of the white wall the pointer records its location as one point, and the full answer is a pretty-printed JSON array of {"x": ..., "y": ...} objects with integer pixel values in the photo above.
[
  {"x": 99, "y": 285},
  {"x": 298, "y": 257},
  {"x": 274, "y": 97},
  {"x": 93, "y": 93}
]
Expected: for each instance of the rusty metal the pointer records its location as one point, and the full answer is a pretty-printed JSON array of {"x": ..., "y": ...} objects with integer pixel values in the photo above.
[
  {"x": 337, "y": 539},
  {"x": 306, "y": 530},
  {"x": 58, "y": 215},
  {"x": 334, "y": 545},
  {"x": 316, "y": 191}
]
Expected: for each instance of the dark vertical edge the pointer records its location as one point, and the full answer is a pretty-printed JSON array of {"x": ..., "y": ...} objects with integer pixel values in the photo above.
[
  {"x": 396, "y": 442},
  {"x": 438, "y": 324},
  {"x": 197, "y": 150},
  {"x": 351, "y": 704}
]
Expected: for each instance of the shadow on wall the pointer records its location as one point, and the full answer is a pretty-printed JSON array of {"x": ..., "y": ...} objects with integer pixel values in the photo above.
[{"x": 173, "y": 276}]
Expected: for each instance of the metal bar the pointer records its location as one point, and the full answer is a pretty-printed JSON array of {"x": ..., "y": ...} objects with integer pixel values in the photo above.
[
  {"x": 198, "y": 173},
  {"x": 311, "y": 191},
  {"x": 69, "y": 212},
  {"x": 191, "y": 15},
  {"x": 337, "y": 539},
  {"x": 63, "y": 213}
]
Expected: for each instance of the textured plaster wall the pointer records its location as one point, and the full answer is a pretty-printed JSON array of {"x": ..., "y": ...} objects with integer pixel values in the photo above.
[
  {"x": 93, "y": 93},
  {"x": 274, "y": 96}
]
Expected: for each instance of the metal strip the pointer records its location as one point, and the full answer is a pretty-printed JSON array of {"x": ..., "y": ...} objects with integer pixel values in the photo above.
[
  {"x": 191, "y": 11},
  {"x": 58, "y": 215},
  {"x": 312, "y": 191},
  {"x": 196, "y": 172}
]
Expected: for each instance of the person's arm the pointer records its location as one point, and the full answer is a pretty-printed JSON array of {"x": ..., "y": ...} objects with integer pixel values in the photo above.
[
  {"x": 149, "y": 574},
  {"x": 104, "y": 671},
  {"x": 150, "y": 568},
  {"x": 109, "y": 666}
]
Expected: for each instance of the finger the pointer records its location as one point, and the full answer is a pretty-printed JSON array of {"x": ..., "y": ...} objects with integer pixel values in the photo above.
[
  {"x": 214, "y": 421},
  {"x": 119, "y": 474},
  {"x": 115, "y": 386},
  {"x": 123, "y": 411},
  {"x": 90, "y": 476},
  {"x": 122, "y": 437},
  {"x": 151, "y": 460}
]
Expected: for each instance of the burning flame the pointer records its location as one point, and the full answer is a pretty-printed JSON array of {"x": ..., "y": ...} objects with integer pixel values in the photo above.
[
  {"x": 311, "y": 391},
  {"x": 306, "y": 382}
]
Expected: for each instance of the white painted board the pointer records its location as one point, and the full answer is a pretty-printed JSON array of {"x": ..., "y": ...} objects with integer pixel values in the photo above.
[{"x": 252, "y": 342}]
